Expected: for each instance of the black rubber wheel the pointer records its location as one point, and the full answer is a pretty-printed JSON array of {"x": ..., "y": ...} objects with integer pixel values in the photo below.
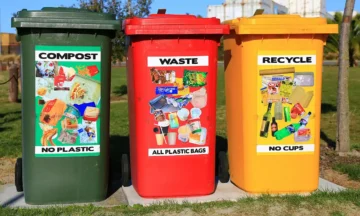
[
  {"x": 125, "y": 170},
  {"x": 18, "y": 175},
  {"x": 223, "y": 167}
]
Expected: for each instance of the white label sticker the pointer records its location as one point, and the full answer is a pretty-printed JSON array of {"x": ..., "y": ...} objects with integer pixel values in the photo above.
[
  {"x": 80, "y": 56},
  {"x": 179, "y": 151},
  {"x": 66, "y": 149},
  {"x": 178, "y": 61},
  {"x": 285, "y": 148},
  {"x": 287, "y": 60}
]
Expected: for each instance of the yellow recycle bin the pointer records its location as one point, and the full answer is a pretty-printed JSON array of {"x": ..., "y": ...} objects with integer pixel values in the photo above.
[{"x": 273, "y": 73}]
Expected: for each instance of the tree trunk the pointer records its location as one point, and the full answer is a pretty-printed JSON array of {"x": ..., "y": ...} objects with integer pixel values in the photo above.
[
  {"x": 342, "y": 132},
  {"x": 129, "y": 8},
  {"x": 13, "y": 84}
]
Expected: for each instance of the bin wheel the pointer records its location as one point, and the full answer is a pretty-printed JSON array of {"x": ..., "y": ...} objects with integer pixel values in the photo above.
[
  {"x": 223, "y": 167},
  {"x": 18, "y": 175},
  {"x": 125, "y": 170}
]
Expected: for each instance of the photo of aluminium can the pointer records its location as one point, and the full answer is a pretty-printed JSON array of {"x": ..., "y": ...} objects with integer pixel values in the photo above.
[{"x": 287, "y": 114}]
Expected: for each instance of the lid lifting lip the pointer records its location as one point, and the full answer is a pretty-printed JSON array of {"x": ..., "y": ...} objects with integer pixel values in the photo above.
[
  {"x": 173, "y": 24},
  {"x": 65, "y": 18}
]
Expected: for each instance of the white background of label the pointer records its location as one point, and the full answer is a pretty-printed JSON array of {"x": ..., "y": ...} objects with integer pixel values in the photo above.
[
  {"x": 313, "y": 59},
  {"x": 174, "y": 149},
  {"x": 155, "y": 61},
  {"x": 38, "y": 149},
  {"x": 266, "y": 148},
  {"x": 73, "y": 59}
]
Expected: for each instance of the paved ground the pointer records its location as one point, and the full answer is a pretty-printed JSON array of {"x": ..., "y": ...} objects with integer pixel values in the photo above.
[
  {"x": 226, "y": 191},
  {"x": 9, "y": 197}
]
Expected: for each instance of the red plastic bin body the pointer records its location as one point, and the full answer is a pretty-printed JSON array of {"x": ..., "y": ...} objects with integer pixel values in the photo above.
[{"x": 172, "y": 156}]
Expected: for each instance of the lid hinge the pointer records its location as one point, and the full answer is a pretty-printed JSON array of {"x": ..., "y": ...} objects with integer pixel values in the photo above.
[
  {"x": 259, "y": 12},
  {"x": 161, "y": 11}
]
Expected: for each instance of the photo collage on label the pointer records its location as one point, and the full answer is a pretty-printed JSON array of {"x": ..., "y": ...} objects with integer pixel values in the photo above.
[
  {"x": 67, "y": 102},
  {"x": 177, "y": 106},
  {"x": 287, "y": 93}
]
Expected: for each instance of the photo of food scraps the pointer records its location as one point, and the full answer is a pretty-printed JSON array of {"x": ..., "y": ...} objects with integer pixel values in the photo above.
[
  {"x": 60, "y": 119},
  {"x": 162, "y": 76},
  {"x": 44, "y": 87},
  {"x": 63, "y": 78},
  {"x": 46, "y": 69},
  {"x": 84, "y": 90},
  {"x": 90, "y": 71},
  {"x": 88, "y": 132}
]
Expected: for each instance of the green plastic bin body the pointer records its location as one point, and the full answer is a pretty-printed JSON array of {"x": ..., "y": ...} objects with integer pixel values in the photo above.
[{"x": 65, "y": 126}]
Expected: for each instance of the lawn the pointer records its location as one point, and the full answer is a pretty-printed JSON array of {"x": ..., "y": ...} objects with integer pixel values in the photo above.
[
  {"x": 10, "y": 114},
  {"x": 317, "y": 204},
  {"x": 328, "y": 109}
]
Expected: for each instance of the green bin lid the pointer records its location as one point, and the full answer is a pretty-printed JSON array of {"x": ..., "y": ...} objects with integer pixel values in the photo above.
[{"x": 65, "y": 18}]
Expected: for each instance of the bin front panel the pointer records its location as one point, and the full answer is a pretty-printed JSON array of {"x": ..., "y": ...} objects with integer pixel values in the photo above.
[
  {"x": 67, "y": 101},
  {"x": 286, "y": 71},
  {"x": 285, "y": 101},
  {"x": 79, "y": 174},
  {"x": 173, "y": 119}
]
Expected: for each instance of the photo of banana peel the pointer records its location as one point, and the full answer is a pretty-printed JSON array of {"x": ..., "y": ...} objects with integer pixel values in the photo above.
[{"x": 48, "y": 136}]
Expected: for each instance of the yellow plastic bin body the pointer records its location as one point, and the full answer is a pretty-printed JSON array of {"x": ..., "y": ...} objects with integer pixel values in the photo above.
[{"x": 274, "y": 59}]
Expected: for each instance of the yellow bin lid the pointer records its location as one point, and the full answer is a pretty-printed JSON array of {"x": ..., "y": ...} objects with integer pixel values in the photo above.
[{"x": 281, "y": 24}]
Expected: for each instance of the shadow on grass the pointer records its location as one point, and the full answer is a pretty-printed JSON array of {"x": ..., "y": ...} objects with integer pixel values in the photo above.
[
  {"x": 2, "y": 115},
  {"x": 120, "y": 90},
  {"x": 326, "y": 108},
  {"x": 4, "y": 119},
  {"x": 2, "y": 129},
  {"x": 330, "y": 143},
  {"x": 118, "y": 145}
]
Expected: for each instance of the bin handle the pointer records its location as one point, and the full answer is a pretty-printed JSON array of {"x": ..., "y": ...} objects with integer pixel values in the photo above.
[
  {"x": 282, "y": 29},
  {"x": 259, "y": 12},
  {"x": 161, "y": 11}
]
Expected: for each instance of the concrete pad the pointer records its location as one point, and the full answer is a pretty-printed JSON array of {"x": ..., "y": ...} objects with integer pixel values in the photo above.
[
  {"x": 9, "y": 197},
  {"x": 325, "y": 185},
  {"x": 224, "y": 191}
]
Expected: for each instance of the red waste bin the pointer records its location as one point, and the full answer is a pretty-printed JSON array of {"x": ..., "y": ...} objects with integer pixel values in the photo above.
[{"x": 171, "y": 72}]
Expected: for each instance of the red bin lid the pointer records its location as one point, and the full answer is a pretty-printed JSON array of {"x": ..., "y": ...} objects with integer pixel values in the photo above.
[{"x": 173, "y": 24}]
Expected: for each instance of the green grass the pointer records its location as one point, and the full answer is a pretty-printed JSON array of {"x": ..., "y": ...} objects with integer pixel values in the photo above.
[
  {"x": 318, "y": 203},
  {"x": 10, "y": 114},
  {"x": 337, "y": 213},
  {"x": 333, "y": 203},
  {"x": 329, "y": 95},
  {"x": 355, "y": 146},
  {"x": 352, "y": 170}
]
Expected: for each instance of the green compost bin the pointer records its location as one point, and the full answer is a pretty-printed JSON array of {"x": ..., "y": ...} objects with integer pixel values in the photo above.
[{"x": 66, "y": 65}]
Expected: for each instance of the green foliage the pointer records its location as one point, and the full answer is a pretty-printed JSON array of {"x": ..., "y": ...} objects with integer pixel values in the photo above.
[
  {"x": 131, "y": 8},
  {"x": 333, "y": 41}
]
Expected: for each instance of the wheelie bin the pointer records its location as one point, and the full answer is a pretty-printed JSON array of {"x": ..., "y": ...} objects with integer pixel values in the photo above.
[
  {"x": 172, "y": 73},
  {"x": 66, "y": 55},
  {"x": 273, "y": 74}
]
